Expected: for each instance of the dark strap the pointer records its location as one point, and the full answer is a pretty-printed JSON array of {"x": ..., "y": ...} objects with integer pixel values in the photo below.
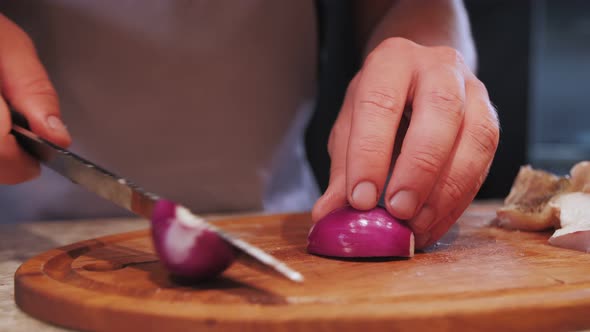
[{"x": 338, "y": 63}]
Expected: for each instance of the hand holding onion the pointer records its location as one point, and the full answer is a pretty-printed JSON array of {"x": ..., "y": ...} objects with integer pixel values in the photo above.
[{"x": 446, "y": 151}]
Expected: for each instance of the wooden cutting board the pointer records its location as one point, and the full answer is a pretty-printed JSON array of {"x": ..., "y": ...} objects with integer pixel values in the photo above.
[{"x": 478, "y": 277}]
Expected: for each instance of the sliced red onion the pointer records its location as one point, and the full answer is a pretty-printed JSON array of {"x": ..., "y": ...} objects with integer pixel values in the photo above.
[
  {"x": 185, "y": 246},
  {"x": 348, "y": 232}
]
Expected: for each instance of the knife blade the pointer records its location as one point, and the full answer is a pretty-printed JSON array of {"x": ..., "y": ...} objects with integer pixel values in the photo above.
[{"x": 127, "y": 194}]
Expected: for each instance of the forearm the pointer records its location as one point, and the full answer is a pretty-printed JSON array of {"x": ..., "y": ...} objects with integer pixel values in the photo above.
[{"x": 426, "y": 22}]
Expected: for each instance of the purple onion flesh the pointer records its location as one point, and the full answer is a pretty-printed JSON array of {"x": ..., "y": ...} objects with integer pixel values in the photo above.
[
  {"x": 185, "y": 246},
  {"x": 347, "y": 232}
]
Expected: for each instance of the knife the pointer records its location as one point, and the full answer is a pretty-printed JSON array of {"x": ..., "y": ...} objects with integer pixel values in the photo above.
[{"x": 126, "y": 194}]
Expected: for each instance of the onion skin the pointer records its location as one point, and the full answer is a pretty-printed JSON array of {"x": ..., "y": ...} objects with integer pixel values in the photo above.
[
  {"x": 185, "y": 247},
  {"x": 351, "y": 233}
]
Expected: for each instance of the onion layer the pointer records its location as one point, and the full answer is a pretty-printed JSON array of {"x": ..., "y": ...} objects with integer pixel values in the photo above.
[
  {"x": 185, "y": 246},
  {"x": 574, "y": 215},
  {"x": 348, "y": 232}
]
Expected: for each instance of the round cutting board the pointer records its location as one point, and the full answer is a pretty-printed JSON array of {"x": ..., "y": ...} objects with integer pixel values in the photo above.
[{"x": 478, "y": 277}]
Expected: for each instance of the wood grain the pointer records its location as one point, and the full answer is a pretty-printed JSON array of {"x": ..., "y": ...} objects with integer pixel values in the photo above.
[{"x": 478, "y": 277}]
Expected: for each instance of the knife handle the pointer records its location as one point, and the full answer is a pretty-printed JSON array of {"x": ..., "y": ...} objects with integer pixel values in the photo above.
[
  {"x": 18, "y": 119},
  {"x": 23, "y": 135}
]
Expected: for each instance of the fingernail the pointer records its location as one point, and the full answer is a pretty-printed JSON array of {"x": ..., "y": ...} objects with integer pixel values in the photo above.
[
  {"x": 422, "y": 240},
  {"x": 404, "y": 204},
  {"x": 364, "y": 195},
  {"x": 54, "y": 123},
  {"x": 423, "y": 220}
]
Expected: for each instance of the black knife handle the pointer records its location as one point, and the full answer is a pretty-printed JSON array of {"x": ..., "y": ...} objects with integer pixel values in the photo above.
[
  {"x": 20, "y": 125},
  {"x": 18, "y": 119}
]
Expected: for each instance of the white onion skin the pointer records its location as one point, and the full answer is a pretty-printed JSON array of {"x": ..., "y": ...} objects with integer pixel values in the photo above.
[
  {"x": 203, "y": 254},
  {"x": 351, "y": 233}
]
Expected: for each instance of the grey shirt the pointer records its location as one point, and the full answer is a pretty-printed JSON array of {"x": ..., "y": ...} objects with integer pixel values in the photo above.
[{"x": 203, "y": 102}]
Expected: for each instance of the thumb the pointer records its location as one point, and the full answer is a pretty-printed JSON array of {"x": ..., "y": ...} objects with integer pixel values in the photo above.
[{"x": 25, "y": 85}]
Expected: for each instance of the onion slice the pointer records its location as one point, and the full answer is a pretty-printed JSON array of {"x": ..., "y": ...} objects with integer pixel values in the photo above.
[
  {"x": 184, "y": 244},
  {"x": 347, "y": 232}
]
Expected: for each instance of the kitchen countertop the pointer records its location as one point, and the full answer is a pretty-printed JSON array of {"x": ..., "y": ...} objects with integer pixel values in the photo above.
[{"x": 19, "y": 242}]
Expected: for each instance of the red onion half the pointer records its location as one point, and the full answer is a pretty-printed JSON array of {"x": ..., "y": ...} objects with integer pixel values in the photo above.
[
  {"x": 185, "y": 246},
  {"x": 348, "y": 232}
]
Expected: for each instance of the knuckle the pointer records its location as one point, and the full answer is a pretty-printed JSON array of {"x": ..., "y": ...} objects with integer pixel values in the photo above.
[
  {"x": 449, "y": 55},
  {"x": 388, "y": 45},
  {"x": 486, "y": 136},
  {"x": 482, "y": 101},
  {"x": 374, "y": 55},
  {"x": 40, "y": 87},
  {"x": 374, "y": 146},
  {"x": 493, "y": 117},
  {"x": 27, "y": 87},
  {"x": 396, "y": 43},
  {"x": 353, "y": 83},
  {"x": 446, "y": 101},
  {"x": 428, "y": 161},
  {"x": 454, "y": 189},
  {"x": 477, "y": 86},
  {"x": 383, "y": 101}
]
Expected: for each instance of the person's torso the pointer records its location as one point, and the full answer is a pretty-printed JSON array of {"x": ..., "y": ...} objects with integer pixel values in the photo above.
[{"x": 200, "y": 101}]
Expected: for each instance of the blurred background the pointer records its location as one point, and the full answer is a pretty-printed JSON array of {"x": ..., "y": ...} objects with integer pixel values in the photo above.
[
  {"x": 535, "y": 60},
  {"x": 560, "y": 83}
]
